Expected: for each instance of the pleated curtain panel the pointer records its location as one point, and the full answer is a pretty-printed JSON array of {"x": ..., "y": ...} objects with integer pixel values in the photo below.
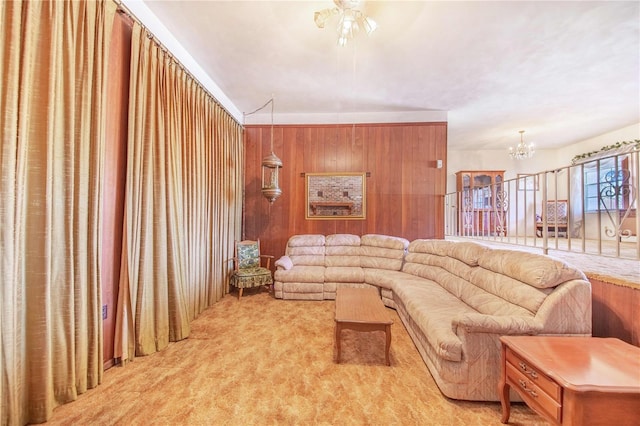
[
  {"x": 183, "y": 202},
  {"x": 183, "y": 206}
]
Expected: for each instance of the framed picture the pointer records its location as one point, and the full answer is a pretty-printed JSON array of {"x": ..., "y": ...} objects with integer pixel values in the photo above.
[
  {"x": 335, "y": 195},
  {"x": 527, "y": 182}
]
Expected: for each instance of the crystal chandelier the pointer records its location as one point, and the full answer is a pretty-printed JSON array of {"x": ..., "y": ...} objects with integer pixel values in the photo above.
[
  {"x": 523, "y": 150},
  {"x": 351, "y": 20}
]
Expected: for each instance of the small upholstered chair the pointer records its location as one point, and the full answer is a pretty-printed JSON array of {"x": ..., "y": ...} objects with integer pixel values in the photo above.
[
  {"x": 556, "y": 214},
  {"x": 247, "y": 269}
]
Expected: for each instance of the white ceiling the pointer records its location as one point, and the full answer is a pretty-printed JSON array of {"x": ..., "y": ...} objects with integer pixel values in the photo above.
[{"x": 562, "y": 71}]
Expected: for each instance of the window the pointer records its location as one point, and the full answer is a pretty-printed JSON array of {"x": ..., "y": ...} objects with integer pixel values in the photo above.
[{"x": 607, "y": 184}]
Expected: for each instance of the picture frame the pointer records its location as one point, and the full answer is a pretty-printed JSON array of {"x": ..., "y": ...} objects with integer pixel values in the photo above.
[
  {"x": 527, "y": 182},
  {"x": 335, "y": 196}
]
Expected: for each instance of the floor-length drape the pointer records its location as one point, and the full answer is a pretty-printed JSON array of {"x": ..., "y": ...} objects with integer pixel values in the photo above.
[
  {"x": 182, "y": 204},
  {"x": 52, "y": 102}
]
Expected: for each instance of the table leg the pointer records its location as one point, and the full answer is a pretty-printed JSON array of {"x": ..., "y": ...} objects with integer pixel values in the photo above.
[
  {"x": 388, "y": 343},
  {"x": 338, "y": 330},
  {"x": 503, "y": 388}
]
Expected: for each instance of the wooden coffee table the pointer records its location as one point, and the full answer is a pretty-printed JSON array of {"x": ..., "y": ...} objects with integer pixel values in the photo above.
[
  {"x": 361, "y": 309},
  {"x": 572, "y": 380}
]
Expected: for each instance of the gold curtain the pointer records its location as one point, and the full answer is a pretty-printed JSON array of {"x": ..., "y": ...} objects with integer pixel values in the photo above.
[
  {"x": 52, "y": 99},
  {"x": 182, "y": 205}
]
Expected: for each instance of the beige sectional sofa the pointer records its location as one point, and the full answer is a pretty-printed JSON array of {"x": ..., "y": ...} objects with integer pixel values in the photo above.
[{"x": 455, "y": 298}]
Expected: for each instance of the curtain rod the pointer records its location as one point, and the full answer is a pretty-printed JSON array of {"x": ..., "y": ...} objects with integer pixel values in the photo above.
[{"x": 124, "y": 10}]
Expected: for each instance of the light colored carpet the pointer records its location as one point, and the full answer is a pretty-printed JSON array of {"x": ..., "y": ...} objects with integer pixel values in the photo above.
[{"x": 262, "y": 361}]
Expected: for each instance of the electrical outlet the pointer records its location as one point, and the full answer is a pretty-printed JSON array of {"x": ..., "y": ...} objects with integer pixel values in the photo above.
[{"x": 104, "y": 312}]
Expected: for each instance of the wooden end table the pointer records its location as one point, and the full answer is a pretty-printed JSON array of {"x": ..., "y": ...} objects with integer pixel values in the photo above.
[
  {"x": 573, "y": 380},
  {"x": 361, "y": 309}
]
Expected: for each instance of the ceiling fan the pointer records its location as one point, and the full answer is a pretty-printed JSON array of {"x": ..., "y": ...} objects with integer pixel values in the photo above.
[{"x": 351, "y": 19}]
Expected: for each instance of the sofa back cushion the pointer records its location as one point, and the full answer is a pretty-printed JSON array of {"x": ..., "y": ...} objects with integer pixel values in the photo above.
[
  {"x": 537, "y": 270},
  {"x": 432, "y": 259},
  {"x": 519, "y": 278},
  {"x": 306, "y": 250},
  {"x": 342, "y": 250},
  {"x": 467, "y": 252},
  {"x": 382, "y": 251},
  {"x": 479, "y": 276},
  {"x": 497, "y": 294},
  {"x": 437, "y": 247}
]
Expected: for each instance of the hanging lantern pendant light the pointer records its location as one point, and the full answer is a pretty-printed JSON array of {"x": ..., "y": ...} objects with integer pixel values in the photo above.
[{"x": 271, "y": 166}]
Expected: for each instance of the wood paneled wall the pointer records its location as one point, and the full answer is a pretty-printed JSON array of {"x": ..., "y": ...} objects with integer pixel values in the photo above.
[
  {"x": 405, "y": 189},
  {"x": 616, "y": 310}
]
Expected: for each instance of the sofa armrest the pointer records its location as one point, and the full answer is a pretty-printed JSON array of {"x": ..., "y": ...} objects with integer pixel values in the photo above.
[
  {"x": 481, "y": 323},
  {"x": 284, "y": 263}
]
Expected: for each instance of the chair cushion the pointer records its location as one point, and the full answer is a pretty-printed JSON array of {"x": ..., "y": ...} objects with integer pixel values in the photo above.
[
  {"x": 251, "y": 277},
  {"x": 248, "y": 255}
]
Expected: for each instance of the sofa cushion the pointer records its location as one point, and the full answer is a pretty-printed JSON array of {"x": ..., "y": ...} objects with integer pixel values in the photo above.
[
  {"x": 306, "y": 249},
  {"x": 342, "y": 250},
  {"x": 534, "y": 269},
  {"x": 302, "y": 291},
  {"x": 331, "y": 288},
  {"x": 298, "y": 287},
  {"x": 342, "y": 258},
  {"x": 348, "y": 258},
  {"x": 487, "y": 292},
  {"x": 306, "y": 240},
  {"x": 451, "y": 274},
  {"x": 466, "y": 252},
  {"x": 384, "y": 241},
  {"x": 432, "y": 309},
  {"x": 490, "y": 298},
  {"x": 301, "y": 273},
  {"x": 438, "y": 247},
  {"x": 344, "y": 274},
  {"x": 430, "y": 266},
  {"x": 499, "y": 294},
  {"x": 381, "y": 258},
  {"x": 469, "y": 253},
  {"x": 382, "y": 252},
  {"x": 383, "y": 278},
  {"x": 307, "y": 259},
  {"x": 342, "y": 240}
]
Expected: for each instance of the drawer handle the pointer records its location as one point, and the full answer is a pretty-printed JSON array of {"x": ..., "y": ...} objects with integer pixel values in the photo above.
[
  {"x": 523, "y": 385},
  {"x": 526, "y": 370}
]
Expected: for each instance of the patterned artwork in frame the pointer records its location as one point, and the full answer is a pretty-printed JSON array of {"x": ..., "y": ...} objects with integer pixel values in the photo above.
[
  {"x": 527, "y": 182},
  {"x": 335, "y": 195}
]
